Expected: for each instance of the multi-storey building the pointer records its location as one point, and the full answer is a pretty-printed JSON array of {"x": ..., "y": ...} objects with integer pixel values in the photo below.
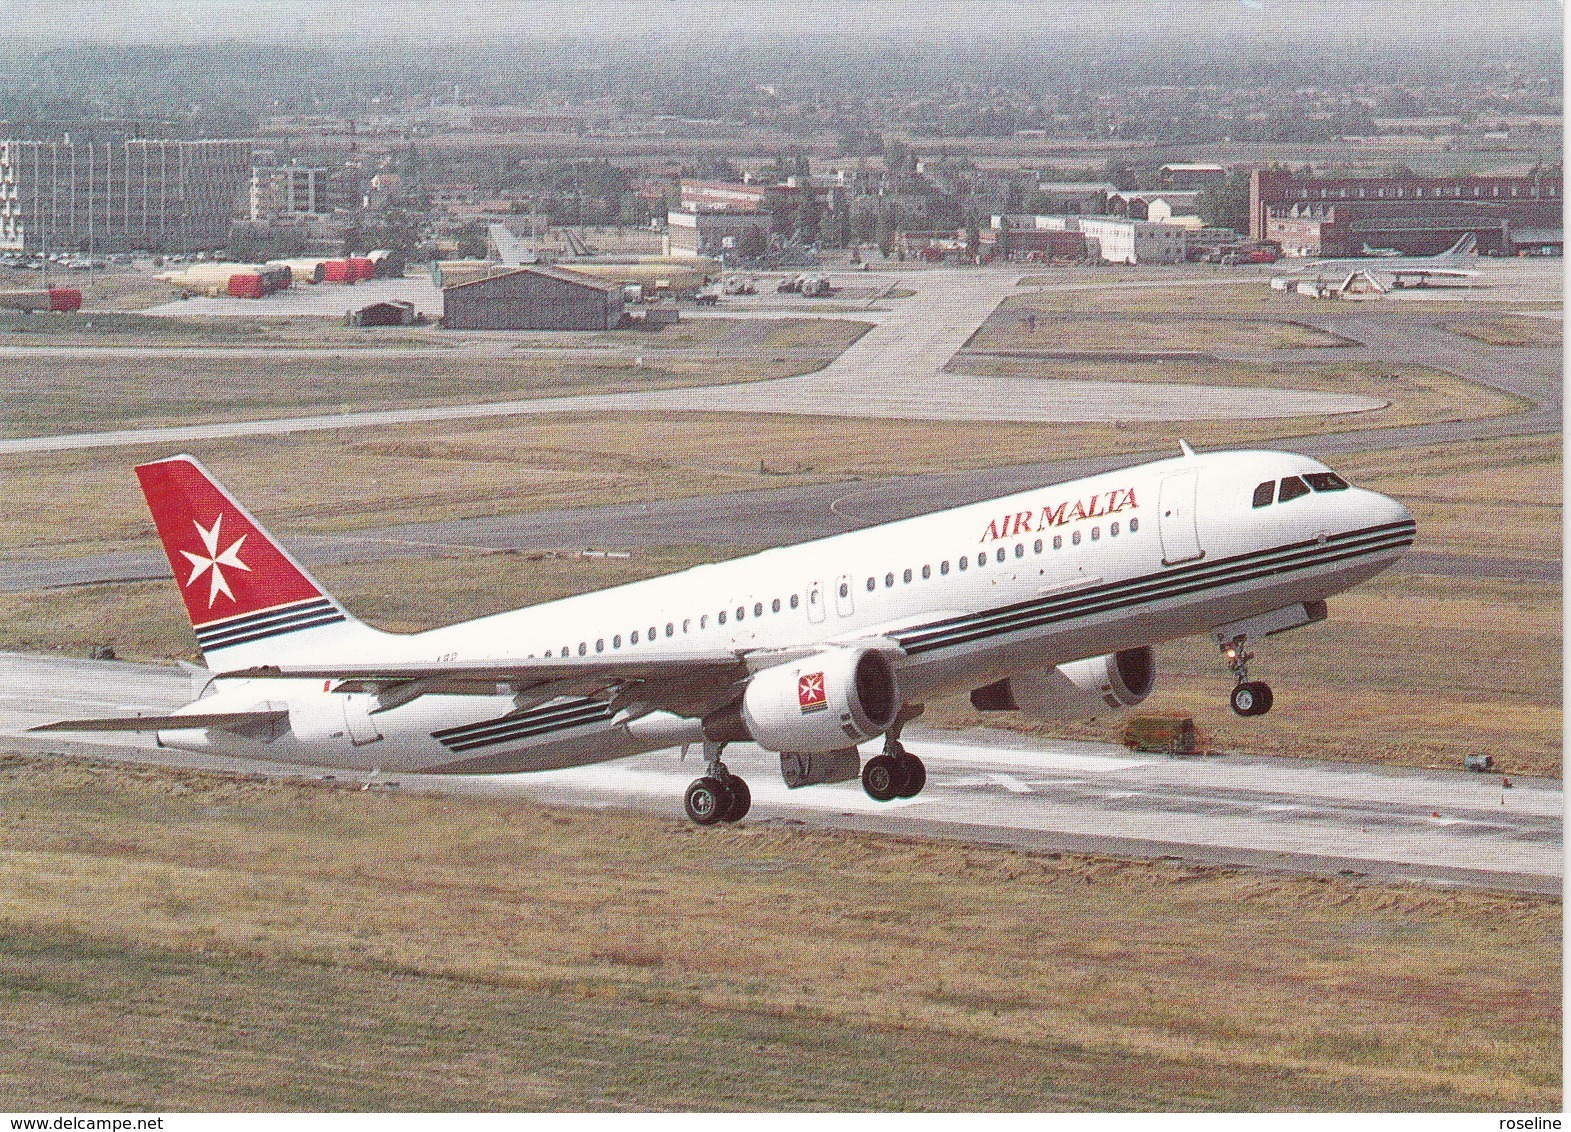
[
  {"x": 1418, "y": 215},
  {"x": 154, "y": 194}
]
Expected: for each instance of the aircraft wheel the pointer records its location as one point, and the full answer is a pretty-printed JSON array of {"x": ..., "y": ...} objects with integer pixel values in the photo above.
[
  {"x": 881, "y": 778},
  {"x": 741, "y": 799},
  {"x": 706, "y": 800},
  {"x": 1253, "y": 697},
  {"x": 913, "y": 776}
]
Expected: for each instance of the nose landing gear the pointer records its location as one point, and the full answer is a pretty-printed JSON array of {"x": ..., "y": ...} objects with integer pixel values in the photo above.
[
  {"x": 719, "y": 796},
  {"x": 1249, "y": 697}
]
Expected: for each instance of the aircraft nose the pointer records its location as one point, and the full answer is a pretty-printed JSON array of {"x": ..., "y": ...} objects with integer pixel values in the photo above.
[{"x": 1382, "y": 509}]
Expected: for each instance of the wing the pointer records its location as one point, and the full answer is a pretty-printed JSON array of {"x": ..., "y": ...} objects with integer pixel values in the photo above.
[
  {"x": 690, "y": 685},
  {"x": 240, "y": 722}
]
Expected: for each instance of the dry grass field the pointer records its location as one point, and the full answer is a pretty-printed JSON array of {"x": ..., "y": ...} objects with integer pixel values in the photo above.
[
  {"x": 79, "y": 501},
  {"x": 51, "y": 394},
  {"x": 1009, "y": 329},
  {"x": 174, "y": 940},
  {"x": 1512, "y": 330}
]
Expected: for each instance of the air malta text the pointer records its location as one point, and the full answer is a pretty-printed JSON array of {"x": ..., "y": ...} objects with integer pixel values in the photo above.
[{"x": 1025, "y": 522}]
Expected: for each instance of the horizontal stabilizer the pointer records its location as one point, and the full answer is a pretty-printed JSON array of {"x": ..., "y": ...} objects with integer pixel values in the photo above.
[{"x": 240, "y": 722}]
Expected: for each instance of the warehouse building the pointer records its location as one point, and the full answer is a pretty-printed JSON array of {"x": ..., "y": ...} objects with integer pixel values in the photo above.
[
  {"x": 152, "y": 194},
  {"x": 536, "y": 297},
  {"x": 1336, "y": 216}
]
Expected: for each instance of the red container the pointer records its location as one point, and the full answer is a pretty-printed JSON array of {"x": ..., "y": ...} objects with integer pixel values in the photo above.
[
  {"x": 65, "y": 299},
  {"x": 360, "y": 268},
  {"x": 336, "y": 271},
  {"x": 245, "y": 285}
]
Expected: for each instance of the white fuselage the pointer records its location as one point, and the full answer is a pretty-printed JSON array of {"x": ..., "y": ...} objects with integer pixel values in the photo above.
[{"x": 969, "y": 595}]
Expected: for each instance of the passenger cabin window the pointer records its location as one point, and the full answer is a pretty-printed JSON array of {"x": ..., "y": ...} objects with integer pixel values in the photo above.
[
  {"x": 720, "y": 619},
  {"x": 1292, "y": 487},
  {"x": 927, "y": 572},
  {"x": 1075, "y": 538},
  {"x": 774, "y": 606},
  {"x": 1326, "y": 481},
  {"x": 963, "y": 561},
  {"x": 870, "y": 584},
  {"x": 943, "y": 567},
  {"x": 889, "y": 581},
  {"x": 793, "y": 601},
  {"x": 1264, "y": 494},
  {"x": 906, "y": 576},
  {"x": 999, "y": 556},
  {"x": 1134, "y": 525}
]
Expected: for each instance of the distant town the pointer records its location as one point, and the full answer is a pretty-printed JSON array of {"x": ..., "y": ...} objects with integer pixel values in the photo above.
[{"x": 763, "y": 163}]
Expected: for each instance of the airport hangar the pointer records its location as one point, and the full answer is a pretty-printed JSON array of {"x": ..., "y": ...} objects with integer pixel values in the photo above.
[{"x": 536, "y": 297}]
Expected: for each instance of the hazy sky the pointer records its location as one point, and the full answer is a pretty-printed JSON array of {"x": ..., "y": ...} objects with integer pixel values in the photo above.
[{"x": 739, "y": 21}]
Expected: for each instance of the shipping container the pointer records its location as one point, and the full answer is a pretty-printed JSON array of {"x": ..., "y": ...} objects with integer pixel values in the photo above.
[
  {"x": 65, "y": 299},
  {"x": 336, "y": 271},
  {"x": 360, "y": 267}
]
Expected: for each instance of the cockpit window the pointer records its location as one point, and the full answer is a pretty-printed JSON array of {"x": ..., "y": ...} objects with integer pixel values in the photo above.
[
  {"x": 1264, "y": 493},
  {"x": 1292, "y": 488},
  {"x": 1326, "y": 481}
]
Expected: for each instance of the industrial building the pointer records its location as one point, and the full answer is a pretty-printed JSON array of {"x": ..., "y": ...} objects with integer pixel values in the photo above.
[
  {"x": 1336, "y": 216},
  {"x": 1160, "y": 206},
  {"x": 714, "y": 233},
  {"x": 536, "y": 297},
  {"x": 1021, "y": 239},
  {"x": 1134, "y": 241},
  {"x": 1073, "y": 197},
  {"x": 1191, "y": 175},
  {"x": 152, "y": 194}
]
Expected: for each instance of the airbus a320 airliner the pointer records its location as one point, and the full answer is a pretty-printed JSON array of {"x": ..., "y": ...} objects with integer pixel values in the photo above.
[{"x": 1046, "y": 603}]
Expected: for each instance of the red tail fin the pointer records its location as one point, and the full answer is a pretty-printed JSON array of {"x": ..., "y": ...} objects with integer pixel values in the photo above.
[{"x": 224, "y": 562}]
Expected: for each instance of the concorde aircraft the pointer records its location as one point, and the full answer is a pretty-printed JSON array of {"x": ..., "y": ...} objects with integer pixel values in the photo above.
[
  {"x": 1046, "y": 603},
  {"x": 1456, "y": 265}
]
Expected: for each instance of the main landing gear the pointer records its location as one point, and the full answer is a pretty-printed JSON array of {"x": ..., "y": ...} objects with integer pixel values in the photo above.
[
  {"x": 1249, "y": 697},
  {"x": 896, "y": 773},
  {"x": 719, "y": 796}
]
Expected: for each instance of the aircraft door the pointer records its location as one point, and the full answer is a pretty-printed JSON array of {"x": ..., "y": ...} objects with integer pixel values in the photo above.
[
  {"x": 1176, "y": 518},
  {"x": 815, "y": 602},
  {"x": 845, "y": 604}
]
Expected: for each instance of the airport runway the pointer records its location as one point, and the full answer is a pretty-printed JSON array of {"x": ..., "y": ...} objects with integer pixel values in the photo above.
[{"x": 1432, "y": 827}]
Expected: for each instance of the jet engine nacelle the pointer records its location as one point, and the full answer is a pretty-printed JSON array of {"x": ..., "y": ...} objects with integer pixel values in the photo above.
[
  {"x": 825, "y": 702},
  {"x": 1078, "y": 690}
]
